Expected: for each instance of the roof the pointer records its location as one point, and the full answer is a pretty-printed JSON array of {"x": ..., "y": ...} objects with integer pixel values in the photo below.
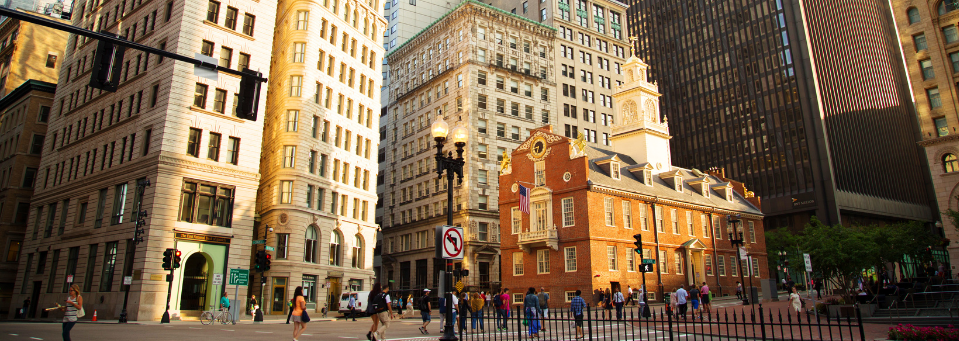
[
  {"x": 24, "y": 89},
  {"x": 461, "y": 4},
  {"x": 660, "y": 188}
]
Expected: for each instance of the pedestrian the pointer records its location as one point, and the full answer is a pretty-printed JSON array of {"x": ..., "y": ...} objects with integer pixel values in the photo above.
[
  {"x": 464, "y": 307},
  {"x": 371, "y": 308},
  {"x": 501, "y": 303},
  {"x": 694, "y": 299},
  {"x": 543, "y": 297},
  {"x": 441, "y": 302},
  {"x": 704, "y": 297},
  {"x": 531, "y": 308},
  {"x": 576, "y": 306},
  {"x": 71, "y": 311},
  {"x": 289, "y": 313},
  {"x": 26, "y": 307},
  {"x": 795, "y": 301},
  {"x": 224, "y": 302},
  {"x": 790, "y": 284},
  {"x": 674, "y": 303},
  {"x": 409, "y": 306},
  {"x": 477, "y": 302},
  {"x": 253, "y": 306},
  {"x": 739, "y": 290},
  {"x": 351, "y": 304},
  {"x": 300, "y": 317},
  {"x": 629, "y": 296},
  {"x": 425, "y": 310},
  {"x": 385, "y": 313},
  {"x": 818, "y": 285},
  {"x": 618, "y": 301},
  {"x": 681, "y": 298},
  {"x": 608, "y": 304}
]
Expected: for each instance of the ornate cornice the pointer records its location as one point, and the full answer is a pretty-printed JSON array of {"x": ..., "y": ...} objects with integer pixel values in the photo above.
[{"x": 198, "y": 166}]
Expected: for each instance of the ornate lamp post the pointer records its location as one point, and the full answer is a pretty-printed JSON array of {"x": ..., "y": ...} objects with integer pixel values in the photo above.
[
  {"x": 737, "y": 243},
  {"x": 452, "y": 166}
]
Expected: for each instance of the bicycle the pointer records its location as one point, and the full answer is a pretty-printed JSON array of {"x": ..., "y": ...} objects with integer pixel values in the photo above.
[{"x": 224, "y": 317}]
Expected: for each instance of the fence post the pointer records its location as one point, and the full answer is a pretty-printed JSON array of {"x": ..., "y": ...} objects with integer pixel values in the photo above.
[
  {"x": 762, "y": 322},
  {"x": 669, "y": 319},
  {"x": 862, "y": 333},
  {"x": 589, "y": 322}
]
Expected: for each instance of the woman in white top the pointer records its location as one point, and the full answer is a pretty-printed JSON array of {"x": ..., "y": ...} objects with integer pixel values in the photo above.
[
  {"x": 74, "y": 304},
  {"x": 795, "y": 301}
]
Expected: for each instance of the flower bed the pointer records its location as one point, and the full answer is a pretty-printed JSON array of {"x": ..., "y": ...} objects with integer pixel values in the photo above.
[{"x": 912, "y": 333}]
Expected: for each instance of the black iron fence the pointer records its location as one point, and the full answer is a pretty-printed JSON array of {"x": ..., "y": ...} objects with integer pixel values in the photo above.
[{"x": 742, "y": 323}]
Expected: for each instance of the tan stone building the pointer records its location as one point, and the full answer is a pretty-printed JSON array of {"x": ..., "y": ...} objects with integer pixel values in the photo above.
[
  {"x": 29, "y": 51},
  {"x": 930, "y": 45},
  {"x": 319, "y": 163},
  {"x": 24, "y": 114},
  {"x": 489, "y": 70},
  {"x": 589, "y": 52},
  {"x": 166, "y": 125}
]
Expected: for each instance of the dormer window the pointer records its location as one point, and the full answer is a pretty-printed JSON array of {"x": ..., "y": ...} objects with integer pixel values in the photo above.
[
  {"x": 678, "y": 183},
  {"x": 705, "y": 191},
  {"x": 614, "y": 170},
  {"x": 729, "y": 194},
  {"x": 648, "y": 177}
]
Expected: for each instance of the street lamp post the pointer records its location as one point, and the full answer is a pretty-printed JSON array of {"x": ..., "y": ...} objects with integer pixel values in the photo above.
[
  {"x": 737, "y": 243},
  {"x": 453, "y": 167}
]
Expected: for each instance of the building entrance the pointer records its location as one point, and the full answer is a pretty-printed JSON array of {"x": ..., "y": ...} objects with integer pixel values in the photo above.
[
  {"x": 333, "y": 291},
  {"x": 195, "y": 272}
]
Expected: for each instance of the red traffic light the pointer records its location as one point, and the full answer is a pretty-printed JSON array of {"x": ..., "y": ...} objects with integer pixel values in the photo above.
[
  {"x": 178, "y": 253},
  {"x": 268, "y": 256}
]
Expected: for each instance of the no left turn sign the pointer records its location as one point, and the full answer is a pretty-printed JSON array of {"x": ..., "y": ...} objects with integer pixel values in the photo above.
[{"x": 452, "y": 242}]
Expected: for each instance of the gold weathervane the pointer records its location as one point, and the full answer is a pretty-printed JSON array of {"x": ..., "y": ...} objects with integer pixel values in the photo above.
[
  {"x": 580, "y": 142},
  {"x": 505, "y": 163},
  {"x": 632, "y": 46}
]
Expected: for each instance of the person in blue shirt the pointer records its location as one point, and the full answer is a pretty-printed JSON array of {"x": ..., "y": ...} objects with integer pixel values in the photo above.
[
  {"x": 224, "y": 302},
  {"x": 532, "y": 309},
  {"x": 576, "y": 306}
]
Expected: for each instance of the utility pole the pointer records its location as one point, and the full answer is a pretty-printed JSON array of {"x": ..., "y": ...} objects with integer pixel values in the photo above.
[{"x": 138, "y": 232}]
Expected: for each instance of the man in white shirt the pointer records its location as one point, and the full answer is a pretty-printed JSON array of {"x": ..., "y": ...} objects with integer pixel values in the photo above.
[
  {"x": 352, "y": 306},
  {"x": 629, "y": 299},
  {"x": 681, "y": 296}
]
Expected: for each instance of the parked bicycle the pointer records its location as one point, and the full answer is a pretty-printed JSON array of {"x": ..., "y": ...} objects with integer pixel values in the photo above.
[{"x": 208, "y": 317}]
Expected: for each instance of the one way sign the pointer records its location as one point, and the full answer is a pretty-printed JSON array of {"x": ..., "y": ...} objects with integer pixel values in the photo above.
[{"x": 645, "y": 268}]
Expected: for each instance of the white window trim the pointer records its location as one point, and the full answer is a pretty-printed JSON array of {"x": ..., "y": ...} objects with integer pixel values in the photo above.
[
  {"x": 519, "y": 256},
  {"x": 566, "y": 259},
  {"x": 541, "y": 260}
]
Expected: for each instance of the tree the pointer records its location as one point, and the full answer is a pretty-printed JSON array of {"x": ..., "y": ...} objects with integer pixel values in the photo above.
[
  {"x": 839, "y": 252},
  {"x": 782, "y": 239}
]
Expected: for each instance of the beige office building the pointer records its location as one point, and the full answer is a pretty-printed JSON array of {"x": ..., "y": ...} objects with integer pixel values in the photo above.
[
  {"x": 590, "y": 49},
  {"x": 930, "y": 45},
  {"x": 481, "y": 67},
  {"x": 165, "y": 125},
  {"x": 29, "y": 51},
  {"x": 317, "y": 193}
]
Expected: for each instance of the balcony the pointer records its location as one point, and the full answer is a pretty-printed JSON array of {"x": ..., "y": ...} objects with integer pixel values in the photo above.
[{"x": 530, "y": 239}]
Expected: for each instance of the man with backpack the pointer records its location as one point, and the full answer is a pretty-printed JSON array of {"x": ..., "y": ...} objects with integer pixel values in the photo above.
[
  {"x": 424, "y": 307},
  {"x": 501, "y": 302},
  {"x": 543, "y": 298}
]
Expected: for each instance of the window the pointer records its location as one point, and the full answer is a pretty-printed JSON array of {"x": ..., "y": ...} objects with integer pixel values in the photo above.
[
  {"x": 689, "y": 224},
  {"x": 705, "y": 225},
  {"x": 230, "y": 21},
  {"x": 483, "y": 202},
  {"x": 233, "y": 151},
  {"x": 248, "y": 22},
  {"x": 206, "y": 49},
  {"x": 219, "y": 100},
  {"x": 926, "y": 66},
  {"x": 631, "y": 260},
  {"x": 206, "y": 203},
  {"x": 721, "y": 264},
  {"x": 296, "y": 86},
  {"x": 752, "y": 232},
  {"x": 919, "y": 41},
  {"x": 119, "y": 200},
  {"x": 109, "y": 264},
  {"x": 734, "y": 269},
  {"x": 934, "y": 100},
  {"x": 213, "y": 150},
  {"x": 674, "y": 218},
  {"x": 755, "y": 266},
  {"x": 517, "y": 220},
  {"x": 643, "y": 223},
  {"x": 613, "y": 167},
  {"x": 542, "y": 261},
  {"x": 608, "y": 209},
  {"x": 913, "y": 14},
  {"x": 282, "y": 245},
  {"x": 199, "y": 96},
  {"x": 357, "y": 260},
  {"x": 481, "y": 151},
  {"x": 302, "y": 19},
  {"x": 292, "y": 119},
  {"x": 244, "y": 62},
  {"x": 335, "y": 248},
  {"x": 950, "y": 163},
  {"x": 659, "y": 219},
  {"x": 539, "y": 170},
  {"x": 569, "y": 254},
  {"x": 212, "y": 11},
  {"x": 678, "y": 260},
  {"x": 517, "y": 264},
  {"x": 611, "y": 254},
  {"x": 481, "y": 176},
  {"x": 663, "y": 262},
  {"x": 627, "y": 215}
]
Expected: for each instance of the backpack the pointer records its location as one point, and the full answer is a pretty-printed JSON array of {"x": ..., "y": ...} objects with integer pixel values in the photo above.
[
  {"x": 498, "y": 301},
  {"x": 442, "y": 304},
  {"x": 423, "y": 303},
  {"x": 380, "y": 305}
]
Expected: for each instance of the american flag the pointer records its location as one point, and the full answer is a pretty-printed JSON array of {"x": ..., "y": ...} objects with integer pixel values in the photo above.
[{"x": 524, "y": 199}]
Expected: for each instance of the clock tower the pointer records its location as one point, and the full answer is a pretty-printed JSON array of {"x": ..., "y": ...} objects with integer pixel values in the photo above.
[{"x": 639, "y": 130}]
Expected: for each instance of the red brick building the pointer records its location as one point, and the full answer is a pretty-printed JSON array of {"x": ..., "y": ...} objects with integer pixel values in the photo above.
[{"x": 586, "y": 204}]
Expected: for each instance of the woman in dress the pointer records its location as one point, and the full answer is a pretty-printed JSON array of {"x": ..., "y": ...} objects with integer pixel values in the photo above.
[
  {"x": 795, "y": 301},
  {"x": 299, "y": 306},
  {"x": 371, "y": 308},
  {"x": 531, "y": 307},
  {"x": 74, "y": 304}
]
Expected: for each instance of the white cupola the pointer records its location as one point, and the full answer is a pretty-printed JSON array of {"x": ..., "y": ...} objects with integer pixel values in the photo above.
[{"x": 640, "y": 132}]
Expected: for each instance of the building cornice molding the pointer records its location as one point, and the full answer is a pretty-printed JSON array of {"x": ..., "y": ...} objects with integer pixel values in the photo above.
[
  {"x": 658, "y": 200},
  {"x": 165, "y": 160}
]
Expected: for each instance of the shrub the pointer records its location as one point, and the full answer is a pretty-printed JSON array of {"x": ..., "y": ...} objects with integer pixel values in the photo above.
[{"x": 912, "y": 333}]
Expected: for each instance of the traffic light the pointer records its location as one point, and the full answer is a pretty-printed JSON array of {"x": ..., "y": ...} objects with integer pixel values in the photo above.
[
  {"x": 269, "y": 260},
  {"x": 259, "y": 261},
  {"x": 168, "y": 259},
  {"x": 176, "y": 259},
  {"x": 249, "y": 96},
  {"x": 106, "y": 65},
  {"x": 638, "y": 243}
]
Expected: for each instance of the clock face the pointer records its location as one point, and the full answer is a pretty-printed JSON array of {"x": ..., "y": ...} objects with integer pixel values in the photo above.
[{"x": 538, "y": 148}]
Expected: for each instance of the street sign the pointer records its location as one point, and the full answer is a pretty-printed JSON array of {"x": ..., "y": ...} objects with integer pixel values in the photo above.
[
  {"x": 459, "y": 286},
  {"x": 270, "y": 248},
  {"x": 649, "y": 261},
  {"x": 69, "y": 278},
  {"x": 450, "y": 245},
  {"x": 259, "y": 241},
  {"x": 646, "y": 267},
  {"x": 742, "y": 253},
  {"x": 217, "y": 279},
  {"x": 127, "y": 280},
  {"x": 239, "y": 277},
  {"x": 808, "y": 261},
  {"x": 205, "y": 72}
]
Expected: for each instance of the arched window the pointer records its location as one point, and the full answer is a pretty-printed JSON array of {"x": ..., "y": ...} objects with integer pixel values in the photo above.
[
  {"x": 335, "y": 251},
  {"x": 950, "y": 163},
  {"x": 947, "y": 6},
  {"x": 913, "y": 14},
  {"x": 309, "y": 254},
  {"x": 358, "y": 253}
]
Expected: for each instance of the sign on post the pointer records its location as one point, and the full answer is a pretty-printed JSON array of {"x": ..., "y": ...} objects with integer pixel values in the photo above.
[
  {"x": 203, "y": 72},
  {"x": 259, "y": 241},
  {"x": 648, "y": 261},
  {"x": 646, "y": 267},
  {"x": 270, "y": 248},
  {"x": 127, "y": 280},
  {"x": 217, "y": 279},
  {"x": 808, "y": 261},
  {"x": 742, "y": 253},
  {"x": 69, "y": 278},
  {"x": 449, "y": 243},
  {"x": 239, "y": 277}
]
